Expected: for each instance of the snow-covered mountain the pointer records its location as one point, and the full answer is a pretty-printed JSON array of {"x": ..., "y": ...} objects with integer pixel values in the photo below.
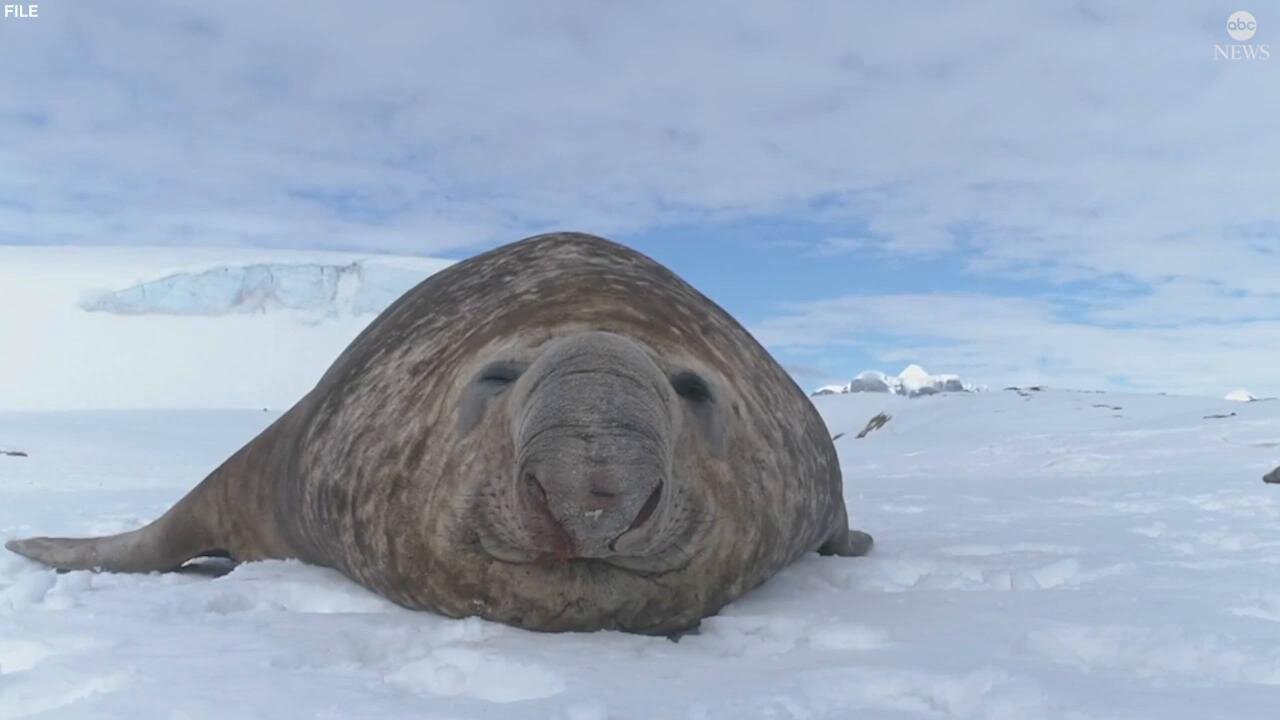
[
  {"x": 913, "y": 381},
  {"x": 148, "y": 327}
]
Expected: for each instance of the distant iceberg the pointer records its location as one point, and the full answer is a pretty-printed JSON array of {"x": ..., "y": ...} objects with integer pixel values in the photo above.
[{"x": 316, "y": 289}]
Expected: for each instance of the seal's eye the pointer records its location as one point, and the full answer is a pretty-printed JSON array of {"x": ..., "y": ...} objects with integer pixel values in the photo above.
[
  {"x": 487, "y": 385},
  {"x": 497, "y": 376},
  {"x": 691, "y": 387}
]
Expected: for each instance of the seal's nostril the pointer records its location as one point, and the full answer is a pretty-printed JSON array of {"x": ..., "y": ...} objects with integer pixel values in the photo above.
[
  {"x": 646, "y": 511},
  {"x": 604, "y": 494}
]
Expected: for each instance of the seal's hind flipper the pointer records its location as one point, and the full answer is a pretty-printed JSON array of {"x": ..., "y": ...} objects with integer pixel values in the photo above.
[
  {"x": 147, "y": 549},
  {"x": 61, "y": 553},
  {"x": 850, "y": 543},
  {"x": 225, "y": 516},
  {"x": 179, "y": 535}
]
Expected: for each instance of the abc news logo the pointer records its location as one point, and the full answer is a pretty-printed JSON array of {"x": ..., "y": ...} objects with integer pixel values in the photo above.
[{"x": 1241, "y": 27}]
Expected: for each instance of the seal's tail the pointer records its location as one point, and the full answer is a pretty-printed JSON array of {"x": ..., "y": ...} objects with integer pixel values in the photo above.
[{"x": 163, "y": 545}]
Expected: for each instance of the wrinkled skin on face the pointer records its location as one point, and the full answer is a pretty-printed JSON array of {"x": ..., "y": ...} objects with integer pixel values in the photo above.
[
  {"x": 595, "y": 422},
  {"x": 559, "y": 434}
]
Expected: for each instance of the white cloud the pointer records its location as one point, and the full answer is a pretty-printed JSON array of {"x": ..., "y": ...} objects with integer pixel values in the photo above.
[
  {"x": 995, "y": 341},
  {"x": 464, "y": 122},
  {"x": 1095, "y": 142}
]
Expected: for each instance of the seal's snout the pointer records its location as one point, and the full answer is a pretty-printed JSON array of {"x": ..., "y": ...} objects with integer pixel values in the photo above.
[
  {"x": 588, "y": 513},
  {"x": 593, "y": 427}
]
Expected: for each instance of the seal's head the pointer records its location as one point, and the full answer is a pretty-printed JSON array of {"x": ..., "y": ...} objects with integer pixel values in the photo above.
[{"x": 594, "y": 425}]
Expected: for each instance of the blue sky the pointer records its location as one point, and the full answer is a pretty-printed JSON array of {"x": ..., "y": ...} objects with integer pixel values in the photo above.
[{"x": 1076, "y": 193}]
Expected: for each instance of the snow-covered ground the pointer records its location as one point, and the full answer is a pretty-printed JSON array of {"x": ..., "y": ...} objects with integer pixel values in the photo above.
[
  {"x": 1048, "y": 554},
  {"x": 149, "y": 327}
]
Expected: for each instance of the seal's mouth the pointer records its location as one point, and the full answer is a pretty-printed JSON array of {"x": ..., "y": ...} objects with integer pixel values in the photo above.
[
  {"x": 661, "y": 538},
  {"x": 579, "y": 531}
]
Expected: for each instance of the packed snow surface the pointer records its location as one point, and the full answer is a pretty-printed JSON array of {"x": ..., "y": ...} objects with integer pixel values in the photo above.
[
  {"x": 1039, "y": 555},
  {"x": 913, "y": 381}
]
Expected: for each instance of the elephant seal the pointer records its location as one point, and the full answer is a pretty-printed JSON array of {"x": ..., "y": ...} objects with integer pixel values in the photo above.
[{"x": 559, "y": 434}]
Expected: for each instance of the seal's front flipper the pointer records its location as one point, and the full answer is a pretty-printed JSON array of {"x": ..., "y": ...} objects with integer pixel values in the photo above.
[{"x": 850, "y": 543}]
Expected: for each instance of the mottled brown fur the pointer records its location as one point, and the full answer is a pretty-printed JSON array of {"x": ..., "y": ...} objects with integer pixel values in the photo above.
[{"x": 382, "y": 473}]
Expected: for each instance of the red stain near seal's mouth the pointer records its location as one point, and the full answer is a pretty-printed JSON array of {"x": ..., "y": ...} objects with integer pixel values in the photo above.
[
  {"x": 561, "y": 546},
  {"x": 561, "y": 541}
]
